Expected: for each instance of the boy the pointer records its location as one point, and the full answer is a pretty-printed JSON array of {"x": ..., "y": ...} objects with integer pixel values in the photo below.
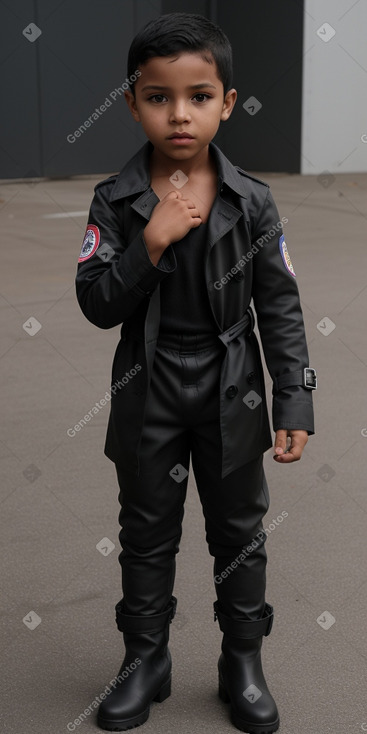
[{"x": 178, "y": 244}]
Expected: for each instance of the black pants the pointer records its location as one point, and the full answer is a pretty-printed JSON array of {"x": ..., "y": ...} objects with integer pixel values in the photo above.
[{"x": 182, "y": 416}]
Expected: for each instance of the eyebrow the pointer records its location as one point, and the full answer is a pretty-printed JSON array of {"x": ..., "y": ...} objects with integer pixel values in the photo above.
[{"x": 193, "y": 86}]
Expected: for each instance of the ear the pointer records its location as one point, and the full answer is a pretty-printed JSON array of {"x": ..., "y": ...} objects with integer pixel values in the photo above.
[
  {"x": 131, "y": 103},
  {"x": 228, "y": 104}
]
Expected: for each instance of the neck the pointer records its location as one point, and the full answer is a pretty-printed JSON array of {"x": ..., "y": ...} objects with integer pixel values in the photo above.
[{"x": 164, "y": 166}]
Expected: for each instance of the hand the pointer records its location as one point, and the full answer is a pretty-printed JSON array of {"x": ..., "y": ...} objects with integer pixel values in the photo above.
[
  {"x": 297, "y": 442},
  {"x": 171, "y": 220}
]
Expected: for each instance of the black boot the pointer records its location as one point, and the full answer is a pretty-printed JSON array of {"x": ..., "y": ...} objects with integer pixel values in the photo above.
[
  {"x": 241, "y": 678},
  {"x": 147, "y": 668}
]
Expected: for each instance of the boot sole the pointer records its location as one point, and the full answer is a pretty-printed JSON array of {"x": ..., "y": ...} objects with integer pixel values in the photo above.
[
  {"x": 248, "y": 727},
  {"x": 124, "y": 724}
]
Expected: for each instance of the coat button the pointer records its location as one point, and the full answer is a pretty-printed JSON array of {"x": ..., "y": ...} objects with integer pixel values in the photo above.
[
  {"x": 251, "y": 377},
  {"x": 239, "y": 275},
  {"x": 231, "y": 391}
]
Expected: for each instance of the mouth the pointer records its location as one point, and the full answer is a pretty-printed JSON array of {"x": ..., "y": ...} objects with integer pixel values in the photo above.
[{"x": 180, "y": 136}]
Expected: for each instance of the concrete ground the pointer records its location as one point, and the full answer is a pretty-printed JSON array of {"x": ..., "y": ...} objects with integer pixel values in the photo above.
[{"x": 60, "y": 645}]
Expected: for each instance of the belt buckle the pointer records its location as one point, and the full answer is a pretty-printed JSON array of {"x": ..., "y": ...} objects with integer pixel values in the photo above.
[{"x": 309, "y": 378}]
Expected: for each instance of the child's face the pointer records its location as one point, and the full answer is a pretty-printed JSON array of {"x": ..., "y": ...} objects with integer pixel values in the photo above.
[{"x": 168, "y": 102}]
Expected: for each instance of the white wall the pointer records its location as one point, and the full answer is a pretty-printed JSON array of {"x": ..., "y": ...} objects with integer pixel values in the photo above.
[{"x": 334, "y": 115}]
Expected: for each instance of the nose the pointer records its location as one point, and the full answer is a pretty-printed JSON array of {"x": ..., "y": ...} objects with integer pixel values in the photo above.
[{"x": 179, "y": 112}]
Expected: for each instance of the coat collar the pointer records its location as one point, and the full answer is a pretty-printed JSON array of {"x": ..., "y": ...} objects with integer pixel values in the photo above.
[{"x": 135, "y": 175}]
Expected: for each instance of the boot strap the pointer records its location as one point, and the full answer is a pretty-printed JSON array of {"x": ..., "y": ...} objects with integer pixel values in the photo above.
[
  {"x": 247, "y": 629},
  {"x": 151, "y": 623}
]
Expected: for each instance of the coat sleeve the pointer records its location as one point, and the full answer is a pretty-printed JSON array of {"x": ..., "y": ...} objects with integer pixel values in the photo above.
[
  {"x": 111, "y": 283},
  {"x": 280, "y": 321}
]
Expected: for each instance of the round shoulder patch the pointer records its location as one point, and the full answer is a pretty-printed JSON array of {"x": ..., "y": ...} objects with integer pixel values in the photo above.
[
  {"x": 285, "y": 255},
  {"x": 90, "y": 243}
]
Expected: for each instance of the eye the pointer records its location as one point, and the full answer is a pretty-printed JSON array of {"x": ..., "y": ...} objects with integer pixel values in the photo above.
[
  {"x": 154, "y": 97},
  {"x": 201, "y": 94}
]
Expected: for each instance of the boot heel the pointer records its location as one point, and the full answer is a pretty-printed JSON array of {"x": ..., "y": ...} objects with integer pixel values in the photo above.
[
  {"x": 223, "y": 695},
  {"x": 164, "y": 692}
]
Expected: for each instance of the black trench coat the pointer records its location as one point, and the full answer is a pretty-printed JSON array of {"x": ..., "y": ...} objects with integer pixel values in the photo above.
[{"x": 119, "y": 284}]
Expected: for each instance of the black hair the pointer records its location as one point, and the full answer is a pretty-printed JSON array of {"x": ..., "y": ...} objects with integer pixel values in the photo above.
[{"x": 181, "y": 32}]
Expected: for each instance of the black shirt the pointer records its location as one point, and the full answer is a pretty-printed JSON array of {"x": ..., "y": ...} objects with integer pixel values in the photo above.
[{"x": 185, "y": 307}]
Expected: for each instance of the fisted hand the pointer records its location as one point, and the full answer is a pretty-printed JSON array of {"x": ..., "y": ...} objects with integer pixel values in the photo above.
[
  {"x": 171, "y": 219},
  {"x": 285, "y": 454}
]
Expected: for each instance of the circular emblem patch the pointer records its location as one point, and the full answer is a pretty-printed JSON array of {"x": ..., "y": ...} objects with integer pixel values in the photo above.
[
  {"x": 285, "y": 255},
  {"x": 90, "y": 243}
]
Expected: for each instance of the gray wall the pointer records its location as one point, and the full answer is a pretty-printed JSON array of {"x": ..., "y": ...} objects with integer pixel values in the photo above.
[
  {"x": 51, "y": 85},
  {"x": 334, "y": 121}
]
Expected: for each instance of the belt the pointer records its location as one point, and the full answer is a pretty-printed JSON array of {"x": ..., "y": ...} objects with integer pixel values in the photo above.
[
  {"x": 187, "y": 342},
  {"x": 245, "y": 324}
]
